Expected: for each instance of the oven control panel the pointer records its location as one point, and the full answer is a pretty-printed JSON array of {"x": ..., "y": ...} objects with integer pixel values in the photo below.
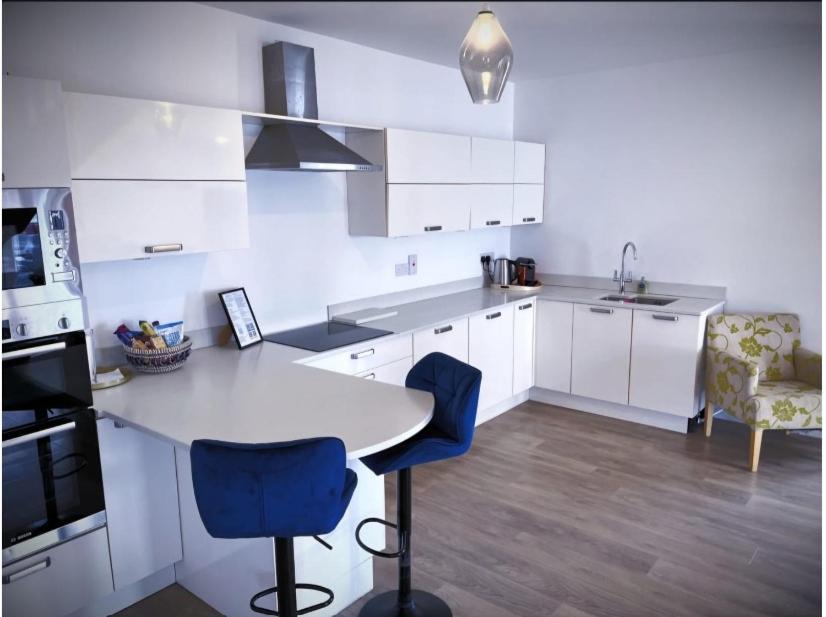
[{"x": 20, "y": 324}]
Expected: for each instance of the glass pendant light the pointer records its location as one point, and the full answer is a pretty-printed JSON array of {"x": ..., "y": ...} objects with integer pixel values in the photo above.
[{"x": 485, "y": 58}]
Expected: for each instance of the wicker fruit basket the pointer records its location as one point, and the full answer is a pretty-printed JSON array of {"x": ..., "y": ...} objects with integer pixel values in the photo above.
[{"x": 159, "y": 360}]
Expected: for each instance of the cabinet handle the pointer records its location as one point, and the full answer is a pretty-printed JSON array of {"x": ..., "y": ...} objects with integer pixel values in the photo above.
[
  {"x": 492, "y": 223},
  {"x": 529, "y": 219},
  {"x": 119, "y": 424},
  {"x": 529, "y": 305},
  {"x": 362, "y": 354},
  {"x": 602, "y": 311},
  {"x": 27, "y": 571},
  {"x": 164, "y": 248},
  {"x": 666, "y": 317},
  {"x": 369, "y": 376},
  {"x": 443, "y": 329},
  {"x": 433, "y": 228},
  {"x": 494, "y": 315}
]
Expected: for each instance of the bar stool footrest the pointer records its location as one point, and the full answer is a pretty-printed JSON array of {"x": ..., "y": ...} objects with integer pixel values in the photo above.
[
  {"x": 303, "y": 611},
  {"x": 374, "y": 551}
]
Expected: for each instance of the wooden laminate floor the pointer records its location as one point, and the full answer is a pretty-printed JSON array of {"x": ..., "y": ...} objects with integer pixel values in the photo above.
[{"x": 565, "y": 514}]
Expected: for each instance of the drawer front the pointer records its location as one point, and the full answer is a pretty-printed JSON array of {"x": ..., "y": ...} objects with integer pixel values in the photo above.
[
  {"x": 394, "y": 373},
  {"x": 449, "y": 338},
  {"x": 414, "y": 209},
  {"x": 60, "y": 580},
  {"x": 367, "y": 355}
]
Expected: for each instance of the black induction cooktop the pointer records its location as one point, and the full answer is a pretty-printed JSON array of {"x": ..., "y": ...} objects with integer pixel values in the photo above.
[{"x": 324, "y": 336}]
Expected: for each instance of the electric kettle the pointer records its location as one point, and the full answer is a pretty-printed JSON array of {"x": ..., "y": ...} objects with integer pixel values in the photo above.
[{"x": 504, "y": 271}]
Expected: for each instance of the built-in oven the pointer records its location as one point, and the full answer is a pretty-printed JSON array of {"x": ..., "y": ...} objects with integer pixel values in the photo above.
[{"x": 40, "y": 259}]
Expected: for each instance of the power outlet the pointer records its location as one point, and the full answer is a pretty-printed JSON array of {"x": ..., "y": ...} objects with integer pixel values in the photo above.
[
  {"x": 402, "y": 269},
  {"x": 412, "y": 264}
]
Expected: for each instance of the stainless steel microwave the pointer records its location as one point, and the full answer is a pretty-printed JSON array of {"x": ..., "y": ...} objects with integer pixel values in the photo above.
[{"x": 40, "y": 259}]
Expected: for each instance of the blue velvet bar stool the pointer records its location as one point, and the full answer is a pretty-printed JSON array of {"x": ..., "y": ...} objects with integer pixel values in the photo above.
[
  {"x": 455, "y": 388},
  {"x": 274, "y": 490}
]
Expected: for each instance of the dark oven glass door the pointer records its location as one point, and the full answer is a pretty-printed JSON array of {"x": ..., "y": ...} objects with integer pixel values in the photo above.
[
  {"x": 22, "y": 250},
  {"x": 47, "y": 373},
  {"x": 51, "y": 472}
]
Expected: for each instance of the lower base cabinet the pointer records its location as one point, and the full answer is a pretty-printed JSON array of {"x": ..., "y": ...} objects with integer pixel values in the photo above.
[
  {"x": 554, "y": 335},
  {"x": 449, "y": 338},
  {"x": 490, "y": 338},
  {"x": 524, "y": 325}
]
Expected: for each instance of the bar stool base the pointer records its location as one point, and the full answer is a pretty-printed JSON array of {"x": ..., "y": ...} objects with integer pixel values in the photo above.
[{"x": 423, "y": 605}]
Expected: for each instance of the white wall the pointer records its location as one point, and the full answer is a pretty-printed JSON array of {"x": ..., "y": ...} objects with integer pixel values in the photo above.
[
  {"x": 712, "y": 166},
  {"x": 301, "y": 258}
]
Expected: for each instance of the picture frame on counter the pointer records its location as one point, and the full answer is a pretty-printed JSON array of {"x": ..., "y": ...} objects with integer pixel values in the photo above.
[{"x": 241, "y": 318}]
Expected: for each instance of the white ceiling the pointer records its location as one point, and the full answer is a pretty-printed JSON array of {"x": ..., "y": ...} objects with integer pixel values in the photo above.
[{"x": 555, "y": 38}]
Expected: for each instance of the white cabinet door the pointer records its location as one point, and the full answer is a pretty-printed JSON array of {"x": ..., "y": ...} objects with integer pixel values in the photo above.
[
  {"x": 529, "y": 163},
  {"x": 422, "y": 157},
  {"x": 119, "y": 220},
  {"x": 449, "y": 338},
  {"x": 665, "y": 358},
  {"x": 528, "y": 201},
  {"x": 59, "y": 580},
  {"x": 523, "y": 345},
  {"x": 414, "y": 209},
  {"x": 141, "y": 492},
  {"x": 601, "y": 353},
  {"x": 491, "y": 160},
  {"x": 35, "y": 153},
  {"x": 131, "y": 139},
  {"x": 394, "y": 373},
  {"x": 491, "y": 205},
  {"x": 490, "y": 346},
  {"x": 554, "y": 331}
]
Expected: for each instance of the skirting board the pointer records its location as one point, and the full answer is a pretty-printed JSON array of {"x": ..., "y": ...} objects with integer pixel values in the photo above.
[
  {"x": 119, "y": 600},
  {"x": 496, "y": 410},
  {"x": 669, "y": 422}
]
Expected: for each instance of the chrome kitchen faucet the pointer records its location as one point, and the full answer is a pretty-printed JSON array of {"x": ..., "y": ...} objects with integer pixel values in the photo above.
[{"x": 624, "y": 278}]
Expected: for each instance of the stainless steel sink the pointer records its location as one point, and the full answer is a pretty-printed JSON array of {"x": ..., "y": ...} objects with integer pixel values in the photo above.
[{"x": 652, "y": 300}]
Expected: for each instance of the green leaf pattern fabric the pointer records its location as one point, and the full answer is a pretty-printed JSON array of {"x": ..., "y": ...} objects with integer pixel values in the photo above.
[{"x": 757, "y": 371}]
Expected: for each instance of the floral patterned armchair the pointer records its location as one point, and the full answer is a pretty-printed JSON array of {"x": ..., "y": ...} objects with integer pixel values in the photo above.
[{"x": 757, "y": 371}]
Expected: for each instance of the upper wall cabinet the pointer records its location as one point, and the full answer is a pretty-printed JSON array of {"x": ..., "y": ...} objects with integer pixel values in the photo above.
[
  {"x": 491, "y": 160},
  {"x": 34, "y": 134},
  {"x": 112, "y": 138},
  {"x": 529, "y": 163},
  {"x": 416, "y": 157}
]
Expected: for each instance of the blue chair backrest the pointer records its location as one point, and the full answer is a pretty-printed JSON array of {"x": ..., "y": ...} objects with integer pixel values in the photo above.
[
  {"x": 271, "y": 490},
  {"x": 455, "y": 388}
]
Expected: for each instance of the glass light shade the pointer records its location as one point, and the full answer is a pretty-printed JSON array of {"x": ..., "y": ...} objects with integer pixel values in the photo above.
[{"x": 485, "y": 58}]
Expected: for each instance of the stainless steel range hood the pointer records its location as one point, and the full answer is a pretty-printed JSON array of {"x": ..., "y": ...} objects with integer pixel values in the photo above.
[{"x": 289, "y": 90}]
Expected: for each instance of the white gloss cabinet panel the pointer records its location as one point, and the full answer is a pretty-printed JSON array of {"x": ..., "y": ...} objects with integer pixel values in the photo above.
[
  {"x": 491, "y": 205},
  {"x": 422, "y": 157},
  {"x": 490, "y": 347},
  {"x": 524, "y": 317},
  {"x": 59, "y": 580},
  {"x": 528, "y": 203},
  {"x": 666, "y": 350},
  {"x": 394, "y": 373},
  {"x": 600, "y": 358},
  {"x": 140, "y": 487},
  {"x": 449, "y": 338},
  {"x": 131, "y": 139},
  {"x": 529, "y": 163},
  {"x": 35, "y": 153},
  {"x": 491, "y": 160},
  {"x": 414, "y": 209},
  {"x": 554, "y": 332},
  {"x": 118, "y": 220}
]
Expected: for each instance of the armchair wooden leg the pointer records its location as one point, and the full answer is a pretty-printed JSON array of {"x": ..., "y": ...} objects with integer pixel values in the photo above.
[
  {"x": 754, "y": 448},
  {"x": 709, "y": 418}
]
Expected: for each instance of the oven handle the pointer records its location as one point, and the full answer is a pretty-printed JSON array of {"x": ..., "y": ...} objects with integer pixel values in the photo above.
[
  {"x": 32, "y": 569},
  {"x": 46, "y": 432},
  {"x": 33, "y": 351}
]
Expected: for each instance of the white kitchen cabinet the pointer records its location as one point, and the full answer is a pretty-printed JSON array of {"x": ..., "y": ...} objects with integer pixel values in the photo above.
[
  {"x": 414, "y": 209},
  {"x": 130, "y": 219},
  {"x": 490, "y": 349},
  {"x": 141, "y": 492},
  {"x": 491, "y": 160},
  {"x": 394, "y": 373},
  {"x": 528, "y": 203},
  {"x": 115, "y": 138},
  {"x": 529, "y": 163},
  {"x": 358, "y": 359},
  {"x": 59, "y": 580},
  {"x": 601, "y": 354},
  {"x": 524, "y": 317},
  {"x": 35, "y": 152},
  {"x": 423, "y": 157},
  {"x": 491, "y": 205},
  {"x": 449, "y": 338},
  {"x": 666, "y": 354},
  {"x": 554, "y": 332}
]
